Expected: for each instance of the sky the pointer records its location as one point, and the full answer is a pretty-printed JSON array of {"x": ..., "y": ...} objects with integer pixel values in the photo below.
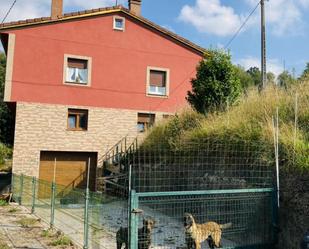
[{"x": 212, "y": 24}]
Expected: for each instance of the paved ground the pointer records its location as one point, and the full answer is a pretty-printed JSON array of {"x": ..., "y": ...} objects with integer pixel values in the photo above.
[{"x": 17, "y": 236}]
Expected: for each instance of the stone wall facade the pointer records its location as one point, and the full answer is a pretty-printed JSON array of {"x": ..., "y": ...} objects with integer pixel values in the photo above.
[{"x": 43, "y": 127}]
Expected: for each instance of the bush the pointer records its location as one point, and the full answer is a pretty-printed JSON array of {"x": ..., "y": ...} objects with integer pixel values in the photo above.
[
  {"x": 5, "y": 154},
  {"x": 216, "y": 85}
]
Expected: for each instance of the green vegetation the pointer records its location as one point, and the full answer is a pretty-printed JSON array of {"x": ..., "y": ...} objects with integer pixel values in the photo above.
[
  {"x": 6, "y": 122},
  {"x": 3, "y": 203},
  {"x": 216, "y": 85},
  {"x": 3, "y": 245},
  {"x": 305, "y": 74},
  {"x": 5, "y": 155},
  {"x": 285, "y": 79},
  {"x": 27, "y": 222},
  {"x": 61, "y": 241},
  {"x": 6, "y": 115},
  {"x": 14, "y": 210},
  {"x": 250, "y": 120}
]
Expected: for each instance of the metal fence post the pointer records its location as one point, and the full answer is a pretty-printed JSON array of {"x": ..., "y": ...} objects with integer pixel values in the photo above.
[
  {"x": 21, "y": 189},
  {"x": 86, "y": 220},
  {"x": 133, "y": 236},
  {"x": 86, "y": 215},
  {"x": 52, "y": 205},
  {"x": 33, "y": 194}
]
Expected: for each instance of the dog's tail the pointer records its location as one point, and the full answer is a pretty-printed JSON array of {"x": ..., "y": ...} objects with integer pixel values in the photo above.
[{"x": 225, "y": 226}]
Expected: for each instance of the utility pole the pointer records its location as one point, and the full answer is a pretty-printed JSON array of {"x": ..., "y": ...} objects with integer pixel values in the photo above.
[{"x": 263, "y": 48}]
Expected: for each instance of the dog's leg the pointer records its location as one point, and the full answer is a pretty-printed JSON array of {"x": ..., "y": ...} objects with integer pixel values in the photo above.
[
  {"x": 119, "y": 245},
  {"x": 197, "y": 245}
]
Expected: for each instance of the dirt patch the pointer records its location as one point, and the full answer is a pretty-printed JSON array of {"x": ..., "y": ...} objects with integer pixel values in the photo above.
[{"x": 19, "y": 229}]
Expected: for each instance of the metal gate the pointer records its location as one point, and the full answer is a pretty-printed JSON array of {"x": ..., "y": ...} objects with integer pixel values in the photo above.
[{"x": 250, "y": 213}]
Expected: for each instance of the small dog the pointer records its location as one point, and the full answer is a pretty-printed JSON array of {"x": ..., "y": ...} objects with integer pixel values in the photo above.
[
  {"x": 144, "y": 235},
  {"x": 197, "y": 233}
]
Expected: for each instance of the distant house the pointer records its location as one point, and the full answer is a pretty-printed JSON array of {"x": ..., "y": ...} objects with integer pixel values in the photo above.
[{"x": 81, "y": 81}]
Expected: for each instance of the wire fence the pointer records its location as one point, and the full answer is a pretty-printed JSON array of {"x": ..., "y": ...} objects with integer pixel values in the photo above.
[
  {"x": 147, "y": 191},
  {"x": 205, "y": 164},
  {"x": 65, "y": 210}
]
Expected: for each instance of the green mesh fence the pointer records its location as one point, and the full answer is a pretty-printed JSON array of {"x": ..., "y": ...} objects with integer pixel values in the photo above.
[
  {"x": 248, "y": 216},
  {"x": 105, "y": 213},
  {"x": 222, "y": 182}
]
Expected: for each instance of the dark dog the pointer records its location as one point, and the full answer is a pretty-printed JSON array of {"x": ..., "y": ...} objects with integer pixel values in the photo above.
[
  {"x": 197, "y": 233},
  {"x": 144, "y": 235}
]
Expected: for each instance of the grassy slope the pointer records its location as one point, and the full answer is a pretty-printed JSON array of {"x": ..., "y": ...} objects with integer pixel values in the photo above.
[{"x": 250, "y": 120}]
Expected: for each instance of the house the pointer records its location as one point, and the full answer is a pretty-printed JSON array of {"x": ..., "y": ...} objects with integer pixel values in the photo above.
[{"x": 81, "y": 81}]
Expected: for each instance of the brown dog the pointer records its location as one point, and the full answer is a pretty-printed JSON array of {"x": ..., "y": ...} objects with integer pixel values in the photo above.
[
  {"x": 197, "y": 233},
  {"x": 144, "y": 235}
]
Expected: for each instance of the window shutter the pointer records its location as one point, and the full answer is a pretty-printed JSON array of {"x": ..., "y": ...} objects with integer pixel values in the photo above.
[
  {"x": 157, "y": 78},
  {"x": 77, "y": 63}
]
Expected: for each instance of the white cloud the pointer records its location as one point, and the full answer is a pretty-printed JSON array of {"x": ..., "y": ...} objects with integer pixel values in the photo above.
[
  {"x": 210, "y": 16},
  {"x": 39, "y": 8},
  {"x": 283, "y": 16},
  {"x": 273, "y": 65},
  {"x": 213, "y": 17}
]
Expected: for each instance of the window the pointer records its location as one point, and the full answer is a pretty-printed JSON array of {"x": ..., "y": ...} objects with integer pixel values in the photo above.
[
  {"x": 157, "y": 81},
  {"x": 77, "y": 70},
  {"x": 145, "y": 121},
  {"x": 77, "y": 119},
  {"x": 167, "y": 116},
  {"x": 119, "y": 23}
]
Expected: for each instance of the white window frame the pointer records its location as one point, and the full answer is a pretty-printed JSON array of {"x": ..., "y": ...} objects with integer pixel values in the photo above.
[
  {"x": 89, "y": 69},
  {"x": 123, "y": 22},
  {"x": 167, "y": 83}
]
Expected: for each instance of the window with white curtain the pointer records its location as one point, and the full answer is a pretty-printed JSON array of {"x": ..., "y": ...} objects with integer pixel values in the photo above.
[{"x": 77, "y": 71}]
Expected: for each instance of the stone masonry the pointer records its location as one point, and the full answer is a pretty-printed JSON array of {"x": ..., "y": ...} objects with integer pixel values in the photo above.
[{"x": 43, "y": 127}]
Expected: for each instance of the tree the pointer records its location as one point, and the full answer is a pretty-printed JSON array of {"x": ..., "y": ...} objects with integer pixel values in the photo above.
[
  {"x": 285, "y": 79},
  {"x": 305, "y": 74},
  {"x": 255, "y": 74},
  {"x": 271, "y": 78},
  {"x": 245, "y": 78},
  {"x": 6, "y": 116},
  {"x": 215, "y": 85}
]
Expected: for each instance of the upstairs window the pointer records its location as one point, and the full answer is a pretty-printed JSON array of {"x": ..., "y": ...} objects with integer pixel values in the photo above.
[
  {"x": 158, "y": 81},
  {"x": 77, "y": 70},
  {"x": 119, "y": 23},
  {"x": 145, "y": 121},
  {"x": 77, "y": 120}
]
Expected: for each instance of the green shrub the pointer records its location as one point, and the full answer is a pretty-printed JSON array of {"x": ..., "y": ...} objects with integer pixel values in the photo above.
[
  {"x": 216, "y": 84},
  {"x": 61, "y": 241},
  {"x": 5, "y": 153},
  {"x": 3, "y": 203}
]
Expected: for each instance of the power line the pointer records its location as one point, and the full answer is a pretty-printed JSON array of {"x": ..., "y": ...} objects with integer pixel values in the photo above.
[
  {"x": 8, "y": 12},
  {"x": 241, "y": 27}
]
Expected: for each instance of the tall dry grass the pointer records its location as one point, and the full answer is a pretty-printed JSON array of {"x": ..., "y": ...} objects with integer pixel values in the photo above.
[{"x": 251, "y": 119}]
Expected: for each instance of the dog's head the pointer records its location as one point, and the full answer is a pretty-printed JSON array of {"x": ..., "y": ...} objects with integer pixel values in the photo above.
[
  {"x": 149, "y": 223},
  {"x": 188, "y": 220}
]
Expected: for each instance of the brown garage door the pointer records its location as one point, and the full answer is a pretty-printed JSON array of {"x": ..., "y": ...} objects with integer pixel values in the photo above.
[{"x": 70, "y": 169}]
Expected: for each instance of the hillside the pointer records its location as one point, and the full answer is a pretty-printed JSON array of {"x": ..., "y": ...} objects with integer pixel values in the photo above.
[{"x": 251, "y": 119}]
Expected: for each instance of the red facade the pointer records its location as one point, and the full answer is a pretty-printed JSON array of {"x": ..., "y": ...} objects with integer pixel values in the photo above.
[{"x": 119, "y": 64}]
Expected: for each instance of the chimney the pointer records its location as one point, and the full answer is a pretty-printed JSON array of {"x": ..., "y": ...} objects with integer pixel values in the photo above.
[
  {"x": 135, "y": 7},
  {"x": 56, "y": 8}
]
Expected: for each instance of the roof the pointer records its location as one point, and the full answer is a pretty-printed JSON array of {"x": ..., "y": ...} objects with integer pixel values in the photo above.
[{"x": 98, "y": 12}]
